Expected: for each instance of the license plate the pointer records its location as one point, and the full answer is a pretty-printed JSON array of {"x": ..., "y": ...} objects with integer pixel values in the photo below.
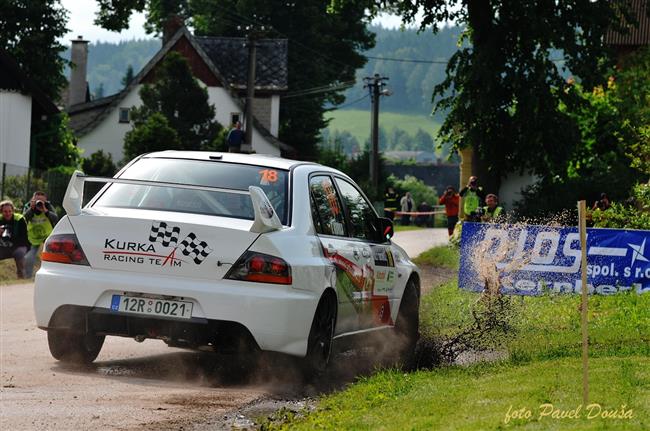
[{"x": 152, "y": 306}]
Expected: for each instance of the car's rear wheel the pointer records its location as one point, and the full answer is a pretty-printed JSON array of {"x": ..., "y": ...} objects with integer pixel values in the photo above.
[
  {"x": 74, "y": 347},
  {"x": 407, "y": 325},
  {"x": 319, "y": 345}
]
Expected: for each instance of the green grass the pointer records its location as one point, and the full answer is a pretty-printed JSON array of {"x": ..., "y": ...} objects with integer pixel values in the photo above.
[
  {"x": 478, "y": 397},
  {"x": 443, "y": 255},
  {"x": 357, "y": 122},
  {"x": 542, "y": 365},
  {"x": 401, "y": 228},
  {"x": 8, "y": 272}
]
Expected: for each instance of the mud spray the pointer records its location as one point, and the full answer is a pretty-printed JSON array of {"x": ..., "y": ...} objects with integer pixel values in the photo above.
[{"x": 490, "y": 326}]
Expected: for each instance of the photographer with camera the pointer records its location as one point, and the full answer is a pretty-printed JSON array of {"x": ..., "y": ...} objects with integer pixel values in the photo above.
[
  {"x": 473, "y": 195},
  {"x": 492, "y": 211},
  {"x": 450, "y": 200},
  {"x": 41, "y": 218},
  {"x": 13, "y": 237}
]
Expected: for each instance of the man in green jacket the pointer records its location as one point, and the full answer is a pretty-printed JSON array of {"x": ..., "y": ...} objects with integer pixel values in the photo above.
[
  {"x": 41, "y": 218},
  {"x": 492, "y": 211},
  {"x": 13, "y": 237},
  {"x": 472, "y": 196}
]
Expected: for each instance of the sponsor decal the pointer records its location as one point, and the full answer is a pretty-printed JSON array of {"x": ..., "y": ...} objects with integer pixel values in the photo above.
[{"x": 143, "y": 253}]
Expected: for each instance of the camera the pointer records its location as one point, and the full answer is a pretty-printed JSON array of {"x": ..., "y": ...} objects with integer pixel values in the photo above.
[
  {"x": 40, "y": 204},
  {"x": 5, "y": 231}
]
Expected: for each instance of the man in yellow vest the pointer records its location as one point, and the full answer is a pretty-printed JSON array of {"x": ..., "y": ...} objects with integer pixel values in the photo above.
[
  {"x": 41, "y": 218},
  {"x": 472, "y": 196},
  {"x": 492, "y": 211}
]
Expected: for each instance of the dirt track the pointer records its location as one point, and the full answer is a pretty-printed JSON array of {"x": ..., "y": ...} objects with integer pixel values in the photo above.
[{"x": 140, "y": 386}]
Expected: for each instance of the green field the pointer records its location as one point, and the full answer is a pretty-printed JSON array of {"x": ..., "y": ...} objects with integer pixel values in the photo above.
[{"x": 357, "y": 122}]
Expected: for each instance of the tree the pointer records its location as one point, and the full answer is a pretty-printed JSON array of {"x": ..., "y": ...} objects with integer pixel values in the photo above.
[
  {"x": 504, "y": 86},
  {"x": 182, "y": 101},
  {"x": 152, "y": 134},
  {"x": 27, "y": 28},
  {"x": 422, "y": 141},
  {"x": 128, "y": 77},
  {"x": 325, "y": 47},
  {"x": 99, "y": 164}
]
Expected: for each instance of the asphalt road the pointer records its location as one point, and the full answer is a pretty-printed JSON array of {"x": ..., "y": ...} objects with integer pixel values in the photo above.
[{"x": 141, "y": 386}]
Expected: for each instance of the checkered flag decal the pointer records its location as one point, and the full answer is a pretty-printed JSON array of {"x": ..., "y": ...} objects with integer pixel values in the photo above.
[
  {"x": 160, "y": 232},
  {"x": 197, "y": 250}
]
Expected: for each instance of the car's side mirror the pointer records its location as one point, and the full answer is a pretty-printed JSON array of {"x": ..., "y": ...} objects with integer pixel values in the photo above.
[{"x": 386, "y": 228}]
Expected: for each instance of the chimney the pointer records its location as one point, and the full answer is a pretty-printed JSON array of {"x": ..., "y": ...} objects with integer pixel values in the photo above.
[
  {"x": 171, "y": 26},
  {"x": 78, "y": 85}
]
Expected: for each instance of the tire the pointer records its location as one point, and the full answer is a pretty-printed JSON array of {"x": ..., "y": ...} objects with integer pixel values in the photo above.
[
  {"x": 73, "y": 347},
  {"x": 407, "y": 326},
  {"x": 319, "y": 345}
]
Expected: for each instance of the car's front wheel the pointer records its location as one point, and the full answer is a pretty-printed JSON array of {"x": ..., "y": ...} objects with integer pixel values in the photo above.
[
  {"x": 319, "y": 345},
  {"x": 74, "y": 347}
]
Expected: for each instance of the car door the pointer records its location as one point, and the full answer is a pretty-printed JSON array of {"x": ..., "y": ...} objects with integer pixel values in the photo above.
[
  {"x": 353, "y": 276},
  {"x": 363, "y": 228}
]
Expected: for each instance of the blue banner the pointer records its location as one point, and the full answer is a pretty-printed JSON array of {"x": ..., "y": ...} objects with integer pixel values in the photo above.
[{"x": 529, "y": 259}]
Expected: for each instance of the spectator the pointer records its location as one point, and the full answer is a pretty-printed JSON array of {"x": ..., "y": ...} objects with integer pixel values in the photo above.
[
  {"x": 235, "y": 138},
  {"x": 472, "y": 195},
  {"x": 424, "y": 219},
  {"x": 406, "y": 204},
  {"x": 603, "y": 203},
  {"x": 390, "y": 203},
  {"x": 492, "y": 210},
  {"x": 13, "y": 237},
  {"x": 451, "y": 201},
  {"x": 41, "y": 218}
]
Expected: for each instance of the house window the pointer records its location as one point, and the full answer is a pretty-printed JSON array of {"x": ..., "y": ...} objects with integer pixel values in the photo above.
[
  {"x": 235, "y": 117},
  {"x": 124, "y": 115}
]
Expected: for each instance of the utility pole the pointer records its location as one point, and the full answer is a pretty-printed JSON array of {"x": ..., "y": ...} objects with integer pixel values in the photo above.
[
  {"x": 254, "y": 32},
  {"x": 375, "y": 85},
  {"x": 250, "y": 89}
]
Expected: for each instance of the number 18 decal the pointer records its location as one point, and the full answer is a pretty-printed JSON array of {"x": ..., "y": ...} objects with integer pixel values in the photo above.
[{"x": 268, "y": 176}]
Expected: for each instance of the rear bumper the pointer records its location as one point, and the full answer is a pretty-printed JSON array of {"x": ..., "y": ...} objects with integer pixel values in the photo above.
[{"x": 278, "y": 318}]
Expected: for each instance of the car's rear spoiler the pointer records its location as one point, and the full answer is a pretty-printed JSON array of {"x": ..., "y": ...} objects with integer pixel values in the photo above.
[{"x": 266, "y": 219}]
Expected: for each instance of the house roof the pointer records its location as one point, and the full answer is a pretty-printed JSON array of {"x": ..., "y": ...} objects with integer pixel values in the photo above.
[
  {"x": 632, "y": 34},
  {"x": 230, "y": 56},
  {"x": 13, "y": 78},
  {"x": 84, "y": 117}
]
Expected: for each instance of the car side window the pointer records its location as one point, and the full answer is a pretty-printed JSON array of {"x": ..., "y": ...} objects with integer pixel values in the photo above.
[
  {"x": 360, "y": 214},
  {"x": 326, "y": 207}
]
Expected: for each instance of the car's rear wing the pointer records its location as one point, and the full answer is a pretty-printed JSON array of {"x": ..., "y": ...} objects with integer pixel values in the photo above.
[{"x": 266, "y": 219}]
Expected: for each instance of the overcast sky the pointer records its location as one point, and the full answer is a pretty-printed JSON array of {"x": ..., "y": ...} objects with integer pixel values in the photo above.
[{"x": 81, "y": 14}]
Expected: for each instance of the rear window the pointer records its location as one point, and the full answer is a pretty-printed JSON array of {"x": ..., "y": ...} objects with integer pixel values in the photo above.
[{"x": 203, "y": 173}]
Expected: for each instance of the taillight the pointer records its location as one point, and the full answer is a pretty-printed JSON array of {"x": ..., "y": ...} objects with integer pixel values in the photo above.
[
  {"x": 63, "y": 248},
  {"x": 262, "y": 268}
]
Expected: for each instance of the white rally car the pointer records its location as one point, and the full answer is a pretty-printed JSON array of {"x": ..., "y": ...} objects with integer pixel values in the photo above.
[{"x": 225, "y": 252}]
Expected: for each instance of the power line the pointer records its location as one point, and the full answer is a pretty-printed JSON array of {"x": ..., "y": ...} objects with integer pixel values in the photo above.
[
  {"x": 345, "y": 105},
  {"x": 322, "y": 89}
]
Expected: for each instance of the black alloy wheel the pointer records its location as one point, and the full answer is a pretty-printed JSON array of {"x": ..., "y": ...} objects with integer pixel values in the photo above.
[
  {"x": 407, "y": 326},
  {"x": 319, "y": 346}
]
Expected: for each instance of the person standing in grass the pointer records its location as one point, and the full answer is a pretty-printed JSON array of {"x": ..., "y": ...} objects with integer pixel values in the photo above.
[
  {"x": 473, "y": 195},
  {"x": 451, "y": 201},
  {"x": 41, "y": 218},
  {"x": 13, "y": 237}
]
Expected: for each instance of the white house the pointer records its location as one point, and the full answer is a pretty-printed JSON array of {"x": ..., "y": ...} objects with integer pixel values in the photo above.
[
  {"x": 219, "y": 63},
  {"x": 22, "y": 103}
]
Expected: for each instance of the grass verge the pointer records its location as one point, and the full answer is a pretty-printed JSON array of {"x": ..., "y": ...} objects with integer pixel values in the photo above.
[
  {"x": 541, "y": 366},
  {"x": 480, "y": 397},
  {"x": 443, "y": 255}
]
